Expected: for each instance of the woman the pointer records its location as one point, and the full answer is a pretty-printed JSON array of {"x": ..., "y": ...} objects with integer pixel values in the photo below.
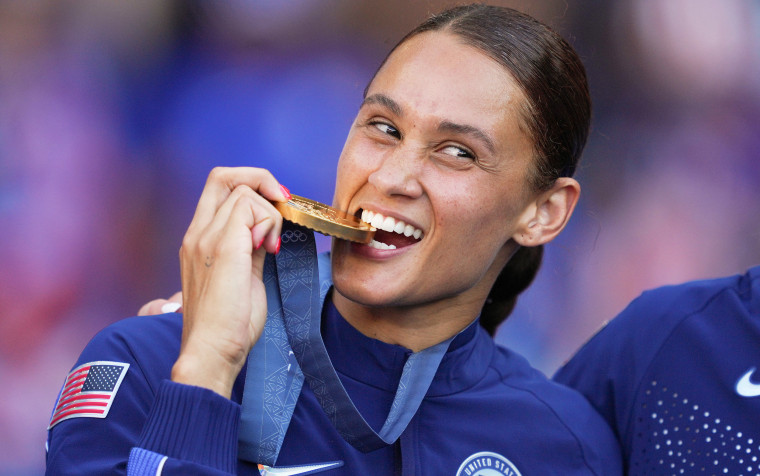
[{"x": 465, "y": 140}]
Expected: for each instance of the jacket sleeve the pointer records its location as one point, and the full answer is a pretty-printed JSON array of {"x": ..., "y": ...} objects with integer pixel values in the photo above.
[
  {"x": 609, "y": 370},
  {"x": 193, "y": 429},
  {"x": 153, "y": 426}
]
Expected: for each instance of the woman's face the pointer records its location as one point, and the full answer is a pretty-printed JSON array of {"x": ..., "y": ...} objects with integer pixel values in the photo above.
[{"x": 436, "y": 145}]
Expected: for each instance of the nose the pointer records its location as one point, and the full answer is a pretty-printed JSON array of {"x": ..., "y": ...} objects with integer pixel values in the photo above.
[{"x": 399, "y": 173}]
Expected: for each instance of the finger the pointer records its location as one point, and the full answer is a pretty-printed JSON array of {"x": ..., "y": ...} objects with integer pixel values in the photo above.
[
  {"x": 222, "y": 181},
  {"x": 228, "y": 244},
  {"x": 267, "y": 226},
  {"x": 174, "y": 303},
  {"x": 176, "y": 297},
  {"x": 271, "y": 241},
  {"x": 210, "y": 233},
  {"x": 259, "y": 217},
  {"x": 262, "y": 211},
  {"x": 153, "y": 308},
  {"x": 219, "y": 238},
  {"x": 258, "y": 206}
]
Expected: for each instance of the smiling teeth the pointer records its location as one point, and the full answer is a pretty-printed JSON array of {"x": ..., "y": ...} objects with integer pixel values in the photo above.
[{"x": 390, "y": 224}]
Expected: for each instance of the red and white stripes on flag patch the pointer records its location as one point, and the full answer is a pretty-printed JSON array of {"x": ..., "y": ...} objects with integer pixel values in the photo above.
[{"x": 89, "y": 391}]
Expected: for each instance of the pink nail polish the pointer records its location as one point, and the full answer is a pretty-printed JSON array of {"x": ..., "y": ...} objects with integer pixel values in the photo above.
[
  {"x": 279, "y": 242},
  {"x": 285, "y": 192},
  {"x": 261, "y": 243}
]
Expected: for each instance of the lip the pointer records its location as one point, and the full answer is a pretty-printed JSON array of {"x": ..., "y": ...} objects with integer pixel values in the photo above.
[{"x": 367, "y": 251}]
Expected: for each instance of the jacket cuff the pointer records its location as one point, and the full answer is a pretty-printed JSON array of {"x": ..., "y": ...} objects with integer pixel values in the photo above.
[{"x": 193, "y": 424}]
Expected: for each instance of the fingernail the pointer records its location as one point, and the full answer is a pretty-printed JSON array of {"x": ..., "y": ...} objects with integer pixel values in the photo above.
[
  {"x": 261, "y": 242},
  {"x": 285, "y": 192},
  {"x": 170, "y": 307},
  {"x": 279, "y": 242}
]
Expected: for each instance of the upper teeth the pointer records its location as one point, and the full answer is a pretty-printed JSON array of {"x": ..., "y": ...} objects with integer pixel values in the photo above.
[{"x": 390, "y": 224}]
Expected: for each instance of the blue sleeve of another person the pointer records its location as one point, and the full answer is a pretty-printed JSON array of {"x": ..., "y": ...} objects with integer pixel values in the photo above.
[{"x": 666, "y": 375}]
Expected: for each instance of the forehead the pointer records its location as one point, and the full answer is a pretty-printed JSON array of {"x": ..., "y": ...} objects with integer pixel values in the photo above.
[{"x": 437, "y": 72}]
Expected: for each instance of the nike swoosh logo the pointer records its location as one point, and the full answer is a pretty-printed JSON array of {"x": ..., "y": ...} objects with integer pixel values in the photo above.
[
  {"x": 298, "y": 470},
  {"x": 745, "y": 387}
]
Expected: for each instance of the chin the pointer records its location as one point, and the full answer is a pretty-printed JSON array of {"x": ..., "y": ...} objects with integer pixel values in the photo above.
[{"x": 364, "y": 292}]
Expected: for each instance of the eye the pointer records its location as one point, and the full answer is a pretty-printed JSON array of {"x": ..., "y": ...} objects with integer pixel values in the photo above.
[
  {"x": 386, "y": 129},
  {"x": 457, "y": 151}
]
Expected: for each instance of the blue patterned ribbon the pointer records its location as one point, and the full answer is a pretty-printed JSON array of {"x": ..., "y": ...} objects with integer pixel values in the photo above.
[
  {"x": 295, "y": 293},
  {"x": 272, "y": 384}
]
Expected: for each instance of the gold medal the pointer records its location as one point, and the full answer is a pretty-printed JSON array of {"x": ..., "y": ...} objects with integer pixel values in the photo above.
[{"x": 325, "y": 219}]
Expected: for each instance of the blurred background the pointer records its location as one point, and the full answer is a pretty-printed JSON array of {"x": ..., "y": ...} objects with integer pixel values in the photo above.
[{"x": 112, "y": 113}]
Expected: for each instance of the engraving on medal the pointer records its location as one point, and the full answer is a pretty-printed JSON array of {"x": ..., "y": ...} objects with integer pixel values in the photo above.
[
  {"x": 325, "y": 219},
  {"x": 321, "y": 211}
]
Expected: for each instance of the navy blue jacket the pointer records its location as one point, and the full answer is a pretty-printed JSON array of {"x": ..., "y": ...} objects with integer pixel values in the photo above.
[
  {"x": 677, "y": 376},
  {"x": 486, "y": 410}
]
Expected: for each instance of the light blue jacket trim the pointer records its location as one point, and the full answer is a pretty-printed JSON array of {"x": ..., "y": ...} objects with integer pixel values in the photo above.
[{"x": 145, "y": 463}]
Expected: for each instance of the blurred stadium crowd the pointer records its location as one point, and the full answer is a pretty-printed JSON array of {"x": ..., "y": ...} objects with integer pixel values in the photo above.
[{"x": 112, "y": 113}]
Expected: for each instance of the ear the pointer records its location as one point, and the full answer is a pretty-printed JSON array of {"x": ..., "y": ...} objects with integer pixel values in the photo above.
[{"x": 545, "y": 217}]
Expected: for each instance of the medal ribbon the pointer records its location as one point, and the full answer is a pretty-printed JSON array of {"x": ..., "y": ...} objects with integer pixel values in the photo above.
[{"x": 273, "y": 381}]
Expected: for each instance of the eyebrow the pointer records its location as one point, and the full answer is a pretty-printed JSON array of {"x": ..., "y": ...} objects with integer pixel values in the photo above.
[{"x": 384, "y": 100}]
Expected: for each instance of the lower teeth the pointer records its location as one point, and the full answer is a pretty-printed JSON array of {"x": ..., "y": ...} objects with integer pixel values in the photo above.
[{"x": 381, "y": 246}]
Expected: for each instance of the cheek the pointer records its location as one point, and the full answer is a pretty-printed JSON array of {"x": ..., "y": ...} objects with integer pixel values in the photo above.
[
  {"x": 476, "y": 223},
  {"x": 355, "y": 164},
  {"x": 468, "y": 244},
  {"x": 467, "y": 205},
  {"x": 347, "y": 178}
]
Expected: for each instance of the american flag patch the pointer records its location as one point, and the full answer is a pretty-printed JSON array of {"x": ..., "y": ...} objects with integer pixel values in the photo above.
[{"x": 88, "y": 391}]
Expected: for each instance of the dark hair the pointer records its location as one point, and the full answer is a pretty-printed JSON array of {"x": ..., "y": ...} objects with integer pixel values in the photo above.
[{"x": 556, "y": 113}]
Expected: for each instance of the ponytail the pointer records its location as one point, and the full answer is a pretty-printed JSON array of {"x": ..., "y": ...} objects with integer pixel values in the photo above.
[{"x": 513, "y": 279}]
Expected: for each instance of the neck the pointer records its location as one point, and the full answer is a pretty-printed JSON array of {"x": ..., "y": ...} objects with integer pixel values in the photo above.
[{"x": 413, "y": 327}]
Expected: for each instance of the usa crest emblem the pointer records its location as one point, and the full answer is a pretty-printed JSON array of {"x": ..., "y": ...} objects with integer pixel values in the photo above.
[{"x": 487, "y": 463}]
